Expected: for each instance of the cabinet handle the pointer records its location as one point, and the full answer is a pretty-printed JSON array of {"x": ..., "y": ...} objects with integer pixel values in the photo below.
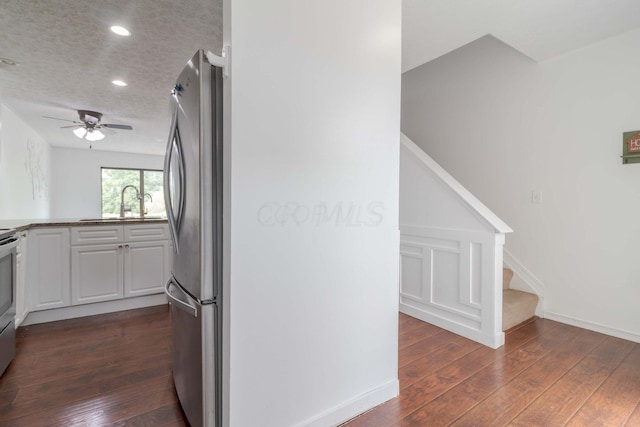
[
  {"x": 126, "y": 247},
  {"x": 119, "y": 248}
]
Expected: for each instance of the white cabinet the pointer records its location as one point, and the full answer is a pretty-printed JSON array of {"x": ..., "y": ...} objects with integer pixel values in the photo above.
[
  {"x": 96, "y": 273},
  {"x": 146, "y": 267},
  {"x": 146, "y": 259},
  {"x": 22, "y": 305},
  {"x": 112, "y": 262},
  {"x": 48, "y": 273},
  {"x": 96, "y": 263}
]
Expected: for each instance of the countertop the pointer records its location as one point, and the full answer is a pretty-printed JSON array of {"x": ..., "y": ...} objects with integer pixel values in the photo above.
[{"x": 25, "y": 224}]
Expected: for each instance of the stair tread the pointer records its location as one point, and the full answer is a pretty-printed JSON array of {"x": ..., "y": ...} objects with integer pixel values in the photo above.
[
  {"x": 518, "y": 295},
  {"x": 517, "y": 306}
]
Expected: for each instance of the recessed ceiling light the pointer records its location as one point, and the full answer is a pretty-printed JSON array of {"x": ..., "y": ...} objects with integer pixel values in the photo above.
[
  {"x": 7, "y": 61},
  {"x": 121, "y": 31},
  {"x": 119, "y": 83}
]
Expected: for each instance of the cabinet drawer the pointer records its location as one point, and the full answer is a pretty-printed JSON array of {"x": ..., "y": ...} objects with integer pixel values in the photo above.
[
  {"x": 146, "y": 232},
  {"x": 91, "y": 235}
]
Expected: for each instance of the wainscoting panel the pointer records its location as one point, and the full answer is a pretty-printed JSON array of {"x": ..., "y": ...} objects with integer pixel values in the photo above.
[{"x": 448, "y": 278}]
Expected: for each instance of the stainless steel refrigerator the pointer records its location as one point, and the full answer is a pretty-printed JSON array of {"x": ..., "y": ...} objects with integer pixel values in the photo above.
[{"x": 193, "y": 197}]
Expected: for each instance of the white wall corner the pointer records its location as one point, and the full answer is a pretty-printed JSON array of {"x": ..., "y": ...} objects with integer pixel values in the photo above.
[{"x": 525, "y": 280}]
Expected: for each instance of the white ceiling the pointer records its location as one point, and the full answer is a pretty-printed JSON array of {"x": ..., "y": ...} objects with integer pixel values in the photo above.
[
  {"x": 540, "y": 29},
  {"x": 68, "y": 57}
]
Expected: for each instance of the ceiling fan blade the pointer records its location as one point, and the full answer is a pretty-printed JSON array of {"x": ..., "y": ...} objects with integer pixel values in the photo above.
[
  {"x": 64, "y": 120},
  {"x": 71, "y": 126},
  {"x": 112, "y": 126}
]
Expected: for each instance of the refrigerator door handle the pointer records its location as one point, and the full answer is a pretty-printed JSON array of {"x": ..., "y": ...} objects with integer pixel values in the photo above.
[
  {"x": 174, "y": 141},
  {"x": 178, "y": 302}
]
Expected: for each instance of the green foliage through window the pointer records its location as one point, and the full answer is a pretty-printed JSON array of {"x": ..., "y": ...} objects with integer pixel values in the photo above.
[{"x": 147, "y": 182}]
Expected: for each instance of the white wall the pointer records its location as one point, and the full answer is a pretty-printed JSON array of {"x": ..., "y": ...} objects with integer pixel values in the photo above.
[
  {"x": 24, "y": 169},
  {"x": 504, "y": 125},
  {"x": 313, "y": 292},
  {"x": 76, "y": 178}
]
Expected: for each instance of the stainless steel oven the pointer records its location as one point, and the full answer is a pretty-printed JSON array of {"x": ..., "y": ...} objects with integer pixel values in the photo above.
[{"x": 8, "y": 244}]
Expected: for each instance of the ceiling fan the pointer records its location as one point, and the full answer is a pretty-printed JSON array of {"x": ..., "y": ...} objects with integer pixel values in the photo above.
[{"x": 89, "y": 125}]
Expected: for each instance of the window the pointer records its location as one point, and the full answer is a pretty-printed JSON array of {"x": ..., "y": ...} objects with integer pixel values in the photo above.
[{"x": 146, "y": 197}]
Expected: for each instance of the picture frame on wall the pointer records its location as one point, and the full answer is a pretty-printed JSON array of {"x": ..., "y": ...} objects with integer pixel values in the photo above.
[{"x": 631, "y": 147}]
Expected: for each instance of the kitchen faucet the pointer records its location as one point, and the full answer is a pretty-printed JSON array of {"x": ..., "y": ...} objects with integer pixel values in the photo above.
[
  {"x": 122, "y": 209},
  {"x": 150, "y": 200}
]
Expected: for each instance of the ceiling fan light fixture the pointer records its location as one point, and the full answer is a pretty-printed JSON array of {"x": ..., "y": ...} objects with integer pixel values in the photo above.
[
  {"x": 119, "y": 83},
  {"x": 94, "y": 135},
  {"x": 121, "y": 31},
  {"x": 80, "y": 132},
  {"x": 89, "y": 124}
]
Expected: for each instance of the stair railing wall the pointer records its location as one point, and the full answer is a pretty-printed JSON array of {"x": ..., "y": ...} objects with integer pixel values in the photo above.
[{"x": 451, "y": 251}]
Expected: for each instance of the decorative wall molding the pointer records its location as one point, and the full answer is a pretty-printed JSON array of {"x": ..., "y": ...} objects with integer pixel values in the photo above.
[
  {"x": 450, "y": 251},
  {"x": 37, "y": 169},
  {"x": 451, "y": 278}
]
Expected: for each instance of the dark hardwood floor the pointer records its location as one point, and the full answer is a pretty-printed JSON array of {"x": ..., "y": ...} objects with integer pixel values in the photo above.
[
  {"x": 107, "y": 370},
  {"x": 115, "y": 370},
  {"x": 547, "y": 374}
]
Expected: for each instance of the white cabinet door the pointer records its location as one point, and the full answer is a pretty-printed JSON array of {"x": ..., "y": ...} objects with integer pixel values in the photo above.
[
  {"x": 146, "y": 267},
  {"x": 96, "y": 273},
  {"x": 22, "y": 306},
  {"x": 48, "y": 275}
]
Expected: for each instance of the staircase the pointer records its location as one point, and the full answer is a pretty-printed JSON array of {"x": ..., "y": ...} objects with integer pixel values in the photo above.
[
  {"x": 451, "y": 251},
  {"x": 517, "y": 306}
]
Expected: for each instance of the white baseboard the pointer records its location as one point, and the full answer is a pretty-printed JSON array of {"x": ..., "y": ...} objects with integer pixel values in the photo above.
[
  {"x": 493, "y": 341},
  {"x": 355, "y": 406},
  {"x": 20, "y": 317},
  {"x": 630, "y": 336},
  {"x": 56, "y": 314}
]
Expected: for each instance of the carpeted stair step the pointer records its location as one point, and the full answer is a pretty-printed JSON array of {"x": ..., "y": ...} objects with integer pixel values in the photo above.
[
  {"x": 517, "y": 306},
  {"x": 507, "y": 275}
]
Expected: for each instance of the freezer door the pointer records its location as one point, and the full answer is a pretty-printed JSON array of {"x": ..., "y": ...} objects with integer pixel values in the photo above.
[
  {"x": 193, "y": 178},
  {"x": 194, "y": 365}
]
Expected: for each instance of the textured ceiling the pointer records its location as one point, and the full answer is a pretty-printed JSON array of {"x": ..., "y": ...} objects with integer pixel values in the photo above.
[
  {"x": 68, "y": 57},
  {"x": 541, "y": 29}
]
